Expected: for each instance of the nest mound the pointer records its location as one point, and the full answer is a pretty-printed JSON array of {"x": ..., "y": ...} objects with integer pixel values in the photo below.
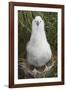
[{"x": 27, "y": 71}]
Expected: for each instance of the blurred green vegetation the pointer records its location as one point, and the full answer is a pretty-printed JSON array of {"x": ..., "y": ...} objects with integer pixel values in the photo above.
[{"x": 25, "y": 26}]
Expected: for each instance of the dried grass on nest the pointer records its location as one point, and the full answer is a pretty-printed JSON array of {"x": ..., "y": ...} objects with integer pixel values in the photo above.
[{"x": 29, "y": 72}]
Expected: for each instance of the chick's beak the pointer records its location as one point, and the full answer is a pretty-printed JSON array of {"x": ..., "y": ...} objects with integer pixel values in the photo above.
[{"x": 37, "y": 23}]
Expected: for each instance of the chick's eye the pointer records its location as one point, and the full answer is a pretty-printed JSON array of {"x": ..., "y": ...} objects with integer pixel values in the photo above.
[{"x": 40, "y": 21}]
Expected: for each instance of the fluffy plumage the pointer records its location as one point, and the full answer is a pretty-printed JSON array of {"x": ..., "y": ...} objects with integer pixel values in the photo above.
[{"x": 38, "y": 48}]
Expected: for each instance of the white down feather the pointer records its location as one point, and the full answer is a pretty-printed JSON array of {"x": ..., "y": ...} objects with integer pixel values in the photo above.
[{"x": 38, "y": 48}]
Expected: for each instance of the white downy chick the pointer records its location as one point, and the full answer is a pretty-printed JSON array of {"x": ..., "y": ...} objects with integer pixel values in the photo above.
[{"x": 38, "y": 48}]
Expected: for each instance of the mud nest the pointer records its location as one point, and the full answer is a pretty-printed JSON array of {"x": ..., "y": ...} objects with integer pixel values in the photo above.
[{"x": 28, "y": 71}]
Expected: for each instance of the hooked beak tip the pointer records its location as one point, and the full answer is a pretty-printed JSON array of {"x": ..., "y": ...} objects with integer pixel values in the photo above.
[{"x": 37, "y": 23}]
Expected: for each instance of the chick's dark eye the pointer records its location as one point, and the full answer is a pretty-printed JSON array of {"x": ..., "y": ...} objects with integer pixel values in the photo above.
[{"x": 40, "y": 21}]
